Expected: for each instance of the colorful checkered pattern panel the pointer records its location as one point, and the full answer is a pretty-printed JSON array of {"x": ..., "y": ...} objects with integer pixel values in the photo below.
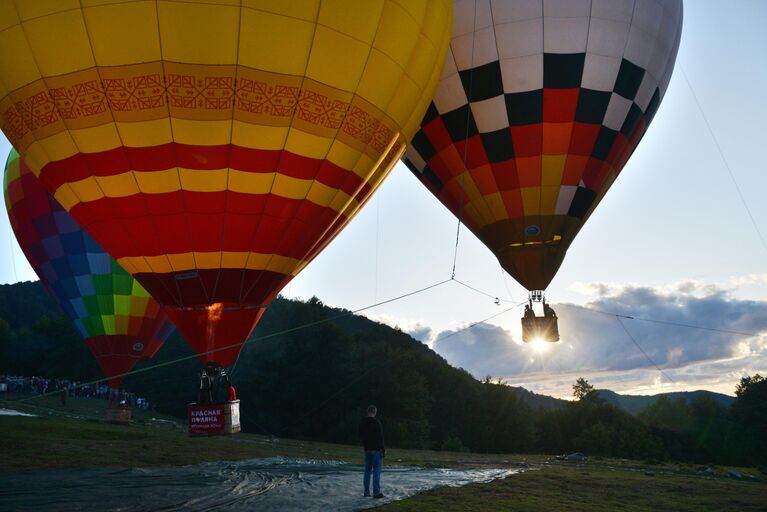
[
  {"x": 540, "y": 105},
  {"x": 103, "y": 301}
]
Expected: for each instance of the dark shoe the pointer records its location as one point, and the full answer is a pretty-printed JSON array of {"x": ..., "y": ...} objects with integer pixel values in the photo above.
[
  {"x": 366, "y": 495},
  {"x": 379, "y": 496}
]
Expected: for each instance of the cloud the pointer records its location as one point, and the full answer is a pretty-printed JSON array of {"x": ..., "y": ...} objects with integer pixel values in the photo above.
[
  {"x": 606, "y": 349},
  {"x": 415, "y": 328}
]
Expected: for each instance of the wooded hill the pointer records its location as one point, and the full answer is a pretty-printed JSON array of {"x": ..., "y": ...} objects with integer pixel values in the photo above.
[{"x": 315, "y": 382}]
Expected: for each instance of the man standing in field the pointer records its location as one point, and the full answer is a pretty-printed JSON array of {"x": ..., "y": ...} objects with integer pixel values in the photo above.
[{"x": 371, "y": 433}]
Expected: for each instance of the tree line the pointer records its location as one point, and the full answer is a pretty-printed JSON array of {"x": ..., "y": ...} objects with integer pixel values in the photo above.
[{"x": 315, "y": 383}]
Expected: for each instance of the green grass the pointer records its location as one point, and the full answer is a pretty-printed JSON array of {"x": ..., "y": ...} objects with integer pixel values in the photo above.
[
  {"x": 594, "y": 489},
  {"x": 74, "y": 437}
]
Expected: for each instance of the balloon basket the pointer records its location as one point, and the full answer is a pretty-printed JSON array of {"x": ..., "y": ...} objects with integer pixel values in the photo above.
[
  {"x": 214, "y": 419},
  {"x": 117, "y": 415},
  {"x": 539, "y": 328}
]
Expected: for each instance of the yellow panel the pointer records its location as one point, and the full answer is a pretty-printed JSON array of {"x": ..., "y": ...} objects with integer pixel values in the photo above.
[
  {"x": 342, "y": 202},
  {"x": 8, "y": 15},
  {"x": 36, "y": 158},
  {"x": 124, "y": 33},
  {"x": 46, "y": 35},
  {"x": 233, "y": 259},
  {"x": 257, "y": 260},
  {"x": 552, "y": 167},
  {"x": 158, "y": 264},
  {"x": 275, "y": 43},
  {"x": 472, "y": 213},
  {"x": 257, "y": 136},
  {"x": 91, "y": 3},
  {"x": 401, "y": 107},
  {"x": 301, "y": 9},
  {"x": 184, "y": 261},
  {"x": 416, "y": 9},
  {"x": 308, "y": 145},
  {"x": 342, "y": 155},
  {"x": 37, "y": 8},
  {"x": 321, "y": 194},
  {"x": 201, "y": 133},
  {"x": 438, "y": 21},
  {"x": 129, "y": 268},
  {"x": 414, "y": 123},
  {"x": 352, "y": 17},
  {"x": 158, "y": 182},
  {"x": 379, "y": 80},
  {"x": 207, "y": 259},
  {"x": 120, "y": 185},
  {"x": 144, "y": 134},
  {"x": 364, "y": 166},
  {"x": 59, "y": 146},
  {"x": 17, "y": 63},
  {"x": 138, "y": 290},
  {"x": 549, "y": 199},
  {"x": 483, "y": 209},
  {"x": 292, "y": 188},
  {"x": 87, "y": 189},
  {"x": 273, "y": 262},
  {"x": 250, "y": 182},
  {"x": 65, "y": 197},
  {"x": 282, "y": 264},
  {"x": 531, "y": 200},
  {"x": 421, "y": 66},
  {"x": 97, "y": 139},
  {"x": 199, "y": 33},
  {"x": 397, "y": 34},
  {"x": 337, "y": 60},
  {"x": 497, "y": 208},
  {"x": 203, "y": 181}
]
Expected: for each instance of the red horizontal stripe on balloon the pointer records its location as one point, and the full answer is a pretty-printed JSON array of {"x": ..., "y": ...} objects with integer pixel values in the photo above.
[
  {"x": 260, "y": 223},
  {"x": 168, "y": 156}
]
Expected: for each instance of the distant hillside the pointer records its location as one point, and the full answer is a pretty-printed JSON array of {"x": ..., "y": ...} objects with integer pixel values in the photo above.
[
  {"x": 537, "y": 401},
  {"x": 632, "y": 404}
]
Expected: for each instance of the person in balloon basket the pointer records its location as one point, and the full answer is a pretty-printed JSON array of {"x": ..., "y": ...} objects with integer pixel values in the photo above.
[{"x": 371, "y": 434}]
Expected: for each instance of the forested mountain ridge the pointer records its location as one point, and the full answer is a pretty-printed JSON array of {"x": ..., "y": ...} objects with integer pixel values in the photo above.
[
  {"x": 315, "y": 382},
  {"x": 634, "y": 404}
]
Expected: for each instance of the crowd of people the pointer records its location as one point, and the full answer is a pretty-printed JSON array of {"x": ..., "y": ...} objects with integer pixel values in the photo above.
[{"x": 40, "y": 385}]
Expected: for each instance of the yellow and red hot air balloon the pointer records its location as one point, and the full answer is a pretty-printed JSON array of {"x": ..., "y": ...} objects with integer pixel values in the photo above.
[
  {"x": 213, "y": 149},
  {"x": 119, "y": 321},
  {"x": 539, "y": 106}
]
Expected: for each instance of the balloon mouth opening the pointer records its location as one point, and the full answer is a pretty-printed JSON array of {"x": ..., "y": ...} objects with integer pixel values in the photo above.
[{"x": 216, "y": 332}]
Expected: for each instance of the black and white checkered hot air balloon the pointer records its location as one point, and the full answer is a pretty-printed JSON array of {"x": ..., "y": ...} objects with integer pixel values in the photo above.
[{"x": 540, "y": 105}]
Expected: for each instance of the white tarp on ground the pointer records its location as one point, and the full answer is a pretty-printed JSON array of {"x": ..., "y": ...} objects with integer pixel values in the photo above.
[
  {"x": 277, "y": 483},
  {"x": 11, "y": 412}
]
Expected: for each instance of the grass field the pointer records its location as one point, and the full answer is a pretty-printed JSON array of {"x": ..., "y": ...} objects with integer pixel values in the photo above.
[{"x": 73, "y": 437}]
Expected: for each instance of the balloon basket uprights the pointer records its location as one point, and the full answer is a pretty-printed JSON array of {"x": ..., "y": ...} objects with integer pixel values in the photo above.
[
  {"x": 539, "y": 328},
  {"x": 213, "y": 413}
]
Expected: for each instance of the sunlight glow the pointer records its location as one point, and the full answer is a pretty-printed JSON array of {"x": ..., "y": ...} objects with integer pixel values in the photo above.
[{"x": 539, "y": 345}]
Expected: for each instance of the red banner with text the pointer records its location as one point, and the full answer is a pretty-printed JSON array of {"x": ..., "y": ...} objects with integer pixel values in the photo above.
[{"x": 205, "y": 419}]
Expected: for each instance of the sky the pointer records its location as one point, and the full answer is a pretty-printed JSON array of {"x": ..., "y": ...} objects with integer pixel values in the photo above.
[{"x": 679, "y": 238}]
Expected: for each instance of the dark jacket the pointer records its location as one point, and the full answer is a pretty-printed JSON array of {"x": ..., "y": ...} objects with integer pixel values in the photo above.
[{"x": 371, "y": 433}]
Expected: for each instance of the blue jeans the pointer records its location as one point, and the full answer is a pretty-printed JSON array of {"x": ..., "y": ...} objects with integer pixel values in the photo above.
[{"x": 373, "y": 464}]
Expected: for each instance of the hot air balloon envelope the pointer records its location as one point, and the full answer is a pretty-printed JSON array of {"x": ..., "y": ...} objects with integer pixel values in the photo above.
[{"x": 215, "y": 148}]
